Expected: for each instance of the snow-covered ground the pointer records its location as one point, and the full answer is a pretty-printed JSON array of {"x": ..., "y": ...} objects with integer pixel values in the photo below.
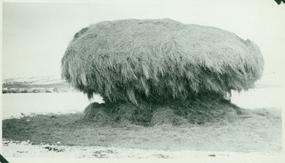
[
  {"x": 268, "y": 97},
  {"x": 23, "y": 150},
  {"x": 15, "y": 105}
]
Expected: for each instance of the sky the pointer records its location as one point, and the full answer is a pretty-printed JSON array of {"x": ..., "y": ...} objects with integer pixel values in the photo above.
[{"x": 35, "y": 35}]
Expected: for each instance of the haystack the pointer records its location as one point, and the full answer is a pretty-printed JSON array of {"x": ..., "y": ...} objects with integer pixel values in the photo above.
[{"x": 153, "y": 61}]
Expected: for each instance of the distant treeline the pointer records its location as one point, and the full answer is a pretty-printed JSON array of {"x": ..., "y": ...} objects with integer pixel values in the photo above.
[
  {"x": 35, "y": 90},
  {"x": 25, "y": 87}
]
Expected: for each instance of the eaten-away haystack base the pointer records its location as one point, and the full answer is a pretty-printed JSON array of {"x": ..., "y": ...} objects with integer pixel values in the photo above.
[{"x": 154, "y": 61}]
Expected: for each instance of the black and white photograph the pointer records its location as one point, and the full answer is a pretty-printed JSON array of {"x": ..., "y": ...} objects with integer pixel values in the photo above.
[{"x": 142, "y": 79}]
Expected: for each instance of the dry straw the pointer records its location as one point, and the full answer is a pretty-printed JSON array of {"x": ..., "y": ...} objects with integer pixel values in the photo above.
[{"x": 157, "y": 60}]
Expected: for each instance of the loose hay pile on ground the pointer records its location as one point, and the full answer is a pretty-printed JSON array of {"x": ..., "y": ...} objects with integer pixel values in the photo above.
[
  {"x": 207, "y": 108},
  {"x": 145, "y": 63}
]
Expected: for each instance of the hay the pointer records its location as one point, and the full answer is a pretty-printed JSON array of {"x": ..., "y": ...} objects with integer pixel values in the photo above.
[
  {"x": 119, "y": 113},
  {"x": 122, "y": 113},
  {"x": 166, "y": 116},
  {"x": 97, "y": 113},
  {"x": 205, "y": 109},
  {"x": 159, "y": 60}
]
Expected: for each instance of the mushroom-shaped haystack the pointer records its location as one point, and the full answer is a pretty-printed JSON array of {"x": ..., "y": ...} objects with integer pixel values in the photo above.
[{"x": 157, "y": 60}]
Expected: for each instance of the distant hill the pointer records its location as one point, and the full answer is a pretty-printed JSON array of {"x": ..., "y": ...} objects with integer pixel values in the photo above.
[{"x": 35, "y": 85}]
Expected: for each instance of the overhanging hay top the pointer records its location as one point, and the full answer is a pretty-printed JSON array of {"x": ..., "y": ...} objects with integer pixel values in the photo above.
[{"x": 134, "y": 60}]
